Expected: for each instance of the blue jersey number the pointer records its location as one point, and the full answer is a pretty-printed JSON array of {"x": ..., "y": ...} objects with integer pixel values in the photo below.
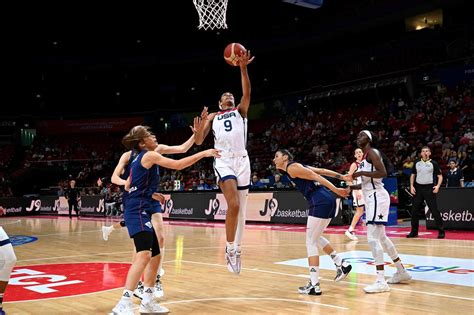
[{"x": 228, "y": 125}]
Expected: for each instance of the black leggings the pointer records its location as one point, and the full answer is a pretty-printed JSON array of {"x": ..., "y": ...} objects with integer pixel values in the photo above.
[
  {"x": 425, "y": 193},
  {"x": 76, "y": 208}
]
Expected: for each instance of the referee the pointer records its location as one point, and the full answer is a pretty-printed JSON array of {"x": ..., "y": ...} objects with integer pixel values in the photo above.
[{"x": 425, "y": 181}]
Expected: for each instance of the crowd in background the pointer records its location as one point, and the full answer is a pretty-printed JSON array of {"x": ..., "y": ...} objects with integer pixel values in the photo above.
[{"x": 318, "y": 136}]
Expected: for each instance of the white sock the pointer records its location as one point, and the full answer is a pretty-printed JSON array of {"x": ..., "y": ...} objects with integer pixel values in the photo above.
[
  {"x": 380, "y": 275},
  {"x": 147, "y": 295},
  {"x": 237, "y": 248},
  {"x": 314, "y": 274},
  {"x": 399, "y": 266},
  {"x": 351, "y": 229},
  {"x": 230, "y": 246},
  {"x": 127, "y": 294},
  {"x": 336, "y": 258}
]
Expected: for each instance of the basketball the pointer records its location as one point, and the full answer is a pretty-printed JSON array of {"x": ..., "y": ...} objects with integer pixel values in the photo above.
[{"x": 232, "y": 51}]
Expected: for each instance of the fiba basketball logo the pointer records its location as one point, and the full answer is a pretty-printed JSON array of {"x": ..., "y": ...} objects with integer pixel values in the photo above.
[
  {"x": 57, "y": 205},
  {"x": 34, "y": 206},
  {"x": 168, "y": 206},
  {"x": 214, "y": 205},
  {"x": 101, "y": 206},
  {"x": 271, "y": 205}
]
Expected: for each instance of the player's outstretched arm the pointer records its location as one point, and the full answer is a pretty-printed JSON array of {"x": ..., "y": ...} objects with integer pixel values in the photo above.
[
  {"x": 120, "y": 168},
  {"x": 244, "y": 60},
  {"x": 329, "y": 173},
  {"x": 173, "y": 149},
  {"x": 151, "y": 158},
  {"x": 202, "y": 125},
  {"x": 296, "y": 170}
]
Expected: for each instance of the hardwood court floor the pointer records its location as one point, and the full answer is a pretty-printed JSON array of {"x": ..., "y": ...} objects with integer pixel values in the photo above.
[{"x": 197, "y": 280}]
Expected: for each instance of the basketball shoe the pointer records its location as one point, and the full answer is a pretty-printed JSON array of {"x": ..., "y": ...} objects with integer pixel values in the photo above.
[
  {"x": 342, "y": 271},
  {"x": 310, "y": 289},
  {"x": 106, "y": 230},
  {"x": 152, "y": 307},
  {"x": 123, "y": 307},
  {"x": 159, "y": 293},
  {"x": 351, "y": 235},
  {"x": 139, "y": 290},
  {"x": 399, "y": 277},
  {"x": 377, "y": 287},
  {"x": 231, "y": 259}
]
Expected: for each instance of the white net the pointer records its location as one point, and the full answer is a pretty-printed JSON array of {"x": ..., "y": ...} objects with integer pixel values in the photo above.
[{"x": 212, "y": 14}]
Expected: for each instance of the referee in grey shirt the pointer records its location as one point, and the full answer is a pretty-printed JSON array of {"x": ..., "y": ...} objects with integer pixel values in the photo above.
[{"x": 425, "y": 181}]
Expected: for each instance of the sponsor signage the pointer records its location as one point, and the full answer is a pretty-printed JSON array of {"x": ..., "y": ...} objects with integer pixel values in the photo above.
[
  {"x": 456, "y": 206},
  {"x": 446, "y": 270},
  {"x": 39, "y": 282}
]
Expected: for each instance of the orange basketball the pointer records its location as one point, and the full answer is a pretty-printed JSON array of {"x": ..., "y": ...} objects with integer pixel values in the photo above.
[{"x": 232, "y": 51}]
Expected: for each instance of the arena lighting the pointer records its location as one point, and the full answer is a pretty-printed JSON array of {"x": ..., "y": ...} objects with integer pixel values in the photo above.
[{"x": 310, "y": 4}]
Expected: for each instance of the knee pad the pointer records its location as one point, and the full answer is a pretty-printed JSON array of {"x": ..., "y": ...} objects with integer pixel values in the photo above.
[
  {"x": 312, "y": 246},
  {"x": 323, "y": 242},
  {"x": 374, "y": 243},
  {"x": 7, "y": 262}
]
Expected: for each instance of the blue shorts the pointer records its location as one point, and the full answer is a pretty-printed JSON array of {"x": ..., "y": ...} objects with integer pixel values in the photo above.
[
  {"x": 137, "y": 217},
  {"x": 322, "y": 204},
  {"x": 155, "y": 208}
]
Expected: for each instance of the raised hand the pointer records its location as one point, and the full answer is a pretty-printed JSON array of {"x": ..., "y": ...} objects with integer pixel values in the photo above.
[
  {"x": 204, "y": 113},
  {"x": 158, "y": 197},
  {"x": 245, "y": 58}
]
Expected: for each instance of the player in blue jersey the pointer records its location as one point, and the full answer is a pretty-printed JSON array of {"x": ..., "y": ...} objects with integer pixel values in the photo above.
[
  {"x": 119, "y": 176},
  {"x": 323, "y": 205},
  {"x": 141, "y": 184}
]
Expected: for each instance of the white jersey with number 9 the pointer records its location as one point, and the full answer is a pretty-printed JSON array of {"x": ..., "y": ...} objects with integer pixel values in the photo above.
[{"x": 230, "y": 131}]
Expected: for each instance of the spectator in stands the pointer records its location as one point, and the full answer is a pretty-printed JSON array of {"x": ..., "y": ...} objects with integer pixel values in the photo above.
[
  {"x": 277, "y": 183},
  {"x": 407, "y": 166},
  {"x": 256, "y": 183},
  {"x": 454, "y": 176},
  {"x": 446, "y": 148}
]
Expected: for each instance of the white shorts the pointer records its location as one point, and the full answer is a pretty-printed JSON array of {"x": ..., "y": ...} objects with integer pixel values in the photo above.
[
  {"x": 377, "y": 205},
  {"x": 357, "y": 202},
  {"x": 3, "y": 234},
  {"x": 237, "y": 168}
]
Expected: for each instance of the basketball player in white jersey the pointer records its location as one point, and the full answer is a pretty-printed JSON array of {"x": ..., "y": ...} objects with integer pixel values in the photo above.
[
  {"x": 7, "y": 261},
  {"x": 357, "y": 196},
  {"x": 377, "y": 203},
  {"x": 229, "y": 127}
]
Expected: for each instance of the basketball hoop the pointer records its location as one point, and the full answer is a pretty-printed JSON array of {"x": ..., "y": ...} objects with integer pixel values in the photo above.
[{"x": 212, "y": 14}]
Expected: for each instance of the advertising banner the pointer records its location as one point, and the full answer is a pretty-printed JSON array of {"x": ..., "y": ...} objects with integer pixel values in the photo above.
[{"x": 456, "y": 206}]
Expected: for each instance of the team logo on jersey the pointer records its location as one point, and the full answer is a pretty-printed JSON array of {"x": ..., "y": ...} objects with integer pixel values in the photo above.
[
  {"x": 22, "y": 239},
  {"x": 39, "y": 282},
  {"x": 226, "y": 115}
]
